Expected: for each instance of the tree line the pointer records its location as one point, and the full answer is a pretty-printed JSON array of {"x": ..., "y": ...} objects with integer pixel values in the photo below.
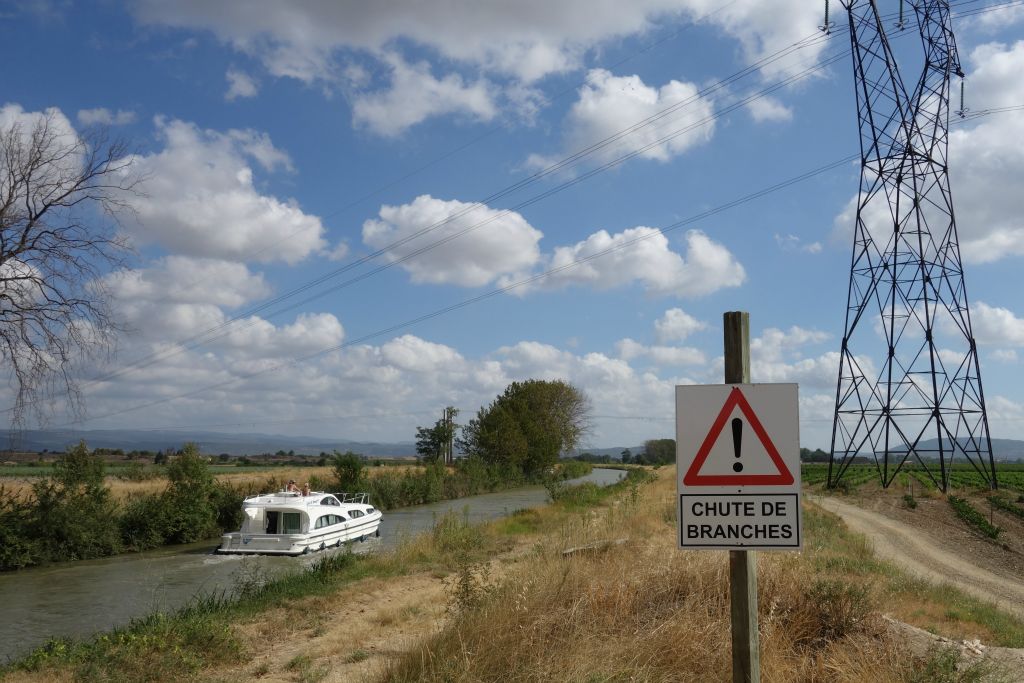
[{"x": 71, "y": 514}]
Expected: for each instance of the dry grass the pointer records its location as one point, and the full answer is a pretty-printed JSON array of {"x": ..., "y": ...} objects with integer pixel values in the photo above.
[
  {"x": 645, "y": 611},
  {"x": 271, "y": 479}
]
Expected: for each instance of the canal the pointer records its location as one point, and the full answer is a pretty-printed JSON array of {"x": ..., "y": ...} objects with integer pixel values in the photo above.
[{"x": 82, "y": 598}]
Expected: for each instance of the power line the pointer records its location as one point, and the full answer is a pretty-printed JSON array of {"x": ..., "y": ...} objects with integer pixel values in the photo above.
[
  {"x": 487, "y": 295},
  {"x": 567, "y": 162},
  {"x": 218, "y": 331},
  {"x": 499, "y": 290}
]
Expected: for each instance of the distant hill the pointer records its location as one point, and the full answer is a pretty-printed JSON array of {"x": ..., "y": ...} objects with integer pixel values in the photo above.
[{"x": 212, "y": 443}]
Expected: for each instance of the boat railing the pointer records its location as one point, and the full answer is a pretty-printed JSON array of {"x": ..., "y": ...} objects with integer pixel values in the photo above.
[{"x": 360, "y": 498}]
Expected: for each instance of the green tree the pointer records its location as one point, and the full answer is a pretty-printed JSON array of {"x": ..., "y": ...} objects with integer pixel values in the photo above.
[
  {"x": 74, "y": 515},
  {"x": 191, "y": 498},
  {"x": 348, "y": 470},
  {"x": 529, "y": 425},
  {"x": 626, "y": 455},
  {"x": 659, "y": 451},
  {"x": 432, "y": 442}
]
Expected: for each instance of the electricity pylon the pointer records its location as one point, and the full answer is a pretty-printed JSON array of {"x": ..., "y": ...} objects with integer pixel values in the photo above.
[{"x": 909, "y": 382}]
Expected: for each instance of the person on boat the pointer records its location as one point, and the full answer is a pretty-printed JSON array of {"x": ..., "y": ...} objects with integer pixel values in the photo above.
[
  {"x": 292, "y": 487},
  {"x": 305, "y": 489}
]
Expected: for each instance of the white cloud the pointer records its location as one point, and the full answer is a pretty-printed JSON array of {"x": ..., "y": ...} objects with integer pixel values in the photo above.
[
  {"x": 769, "y": 109},
  {"x": 527, "y": 39},
  {"x": 240, "y": 85},
  {"x": 64, "y": 137},
  {"x": 996, "y": 18},
  {"x": 764, "y": 28},
  {"x": 505, "y": 244},
  {"x": 794, "y": 243},
  {"x": 609, "y": 104},
  {"x": 996, "y": 326},
  {"x": 181, "y": 279},
  {"x": 105, "y": 117},
  {"x": 418, "y": 355},
  {"x": 1004, "y": 355},
  {"x": 628, "y": 349},
  {"x": 983, "y": 167},
  {"x": 338, "y": 253},
  {"x": 779, "y": 356},
  {"x": 415, "y": 94},
  {"x": 200, "y": 199},
  {"x": 643, "y": 255},
  {"x": 517, "y": 43},
  {"x": 676, "y": 324},
  {"x": 774, "y": 344},
  {"x": 1002, "y": 409}
]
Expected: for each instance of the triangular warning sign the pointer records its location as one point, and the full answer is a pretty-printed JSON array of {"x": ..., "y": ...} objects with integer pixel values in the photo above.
[{"x": 693, "y": 476}]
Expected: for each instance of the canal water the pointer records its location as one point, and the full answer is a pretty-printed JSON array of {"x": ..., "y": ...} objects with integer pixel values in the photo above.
[{"x": 82, "y": 598}]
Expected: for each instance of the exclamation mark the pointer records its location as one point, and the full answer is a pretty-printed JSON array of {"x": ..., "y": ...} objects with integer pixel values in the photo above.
[{"x": 737, "y": 439}]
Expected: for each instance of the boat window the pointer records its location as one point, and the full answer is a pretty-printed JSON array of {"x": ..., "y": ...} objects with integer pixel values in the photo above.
[
  {"x": 330, "y": 500},
  {"x": 272, "y": 517},
  {"x": 356, "y": 513},
  {"x": 369, "y": 510},
  {"x": 292, "y": 523}
]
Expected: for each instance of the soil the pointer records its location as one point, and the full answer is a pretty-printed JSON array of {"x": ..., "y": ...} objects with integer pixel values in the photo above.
[{"x": 931, "y": 541}]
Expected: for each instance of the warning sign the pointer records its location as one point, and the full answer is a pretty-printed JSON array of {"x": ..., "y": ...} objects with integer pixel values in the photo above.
[{"x": 738, "y": 459}]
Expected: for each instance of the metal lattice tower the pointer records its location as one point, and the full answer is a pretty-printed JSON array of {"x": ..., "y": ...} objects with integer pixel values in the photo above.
[{"x": 909, "y": 380}]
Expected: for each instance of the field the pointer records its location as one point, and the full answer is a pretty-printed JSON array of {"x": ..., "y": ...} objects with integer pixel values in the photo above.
[
  {"x": 126, "y": 482},
  {"x": 962, "y": 476}
]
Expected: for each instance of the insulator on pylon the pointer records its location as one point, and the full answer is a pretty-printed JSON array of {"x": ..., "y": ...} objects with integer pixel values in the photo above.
[
  {"x": 962, "y": 111},
  {"x": 827, "y": 26},
  {"x": 901, "y": 24}
]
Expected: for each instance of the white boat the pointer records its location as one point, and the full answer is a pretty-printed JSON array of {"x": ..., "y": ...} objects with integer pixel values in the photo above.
[{"x": 289, "y": 523}]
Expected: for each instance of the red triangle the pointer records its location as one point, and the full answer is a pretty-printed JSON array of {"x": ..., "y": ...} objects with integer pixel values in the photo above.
[{"x": 693, "y": 476}]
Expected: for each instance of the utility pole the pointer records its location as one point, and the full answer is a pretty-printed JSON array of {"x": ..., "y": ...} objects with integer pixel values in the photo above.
[
  {"x": 921, "y": 383},
  {"x": 746, "y": 642}
]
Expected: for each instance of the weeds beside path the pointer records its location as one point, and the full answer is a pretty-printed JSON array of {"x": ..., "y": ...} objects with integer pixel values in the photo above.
[
  {"x": 503, "y": 602},
  {"x": 918, "y": 554}
]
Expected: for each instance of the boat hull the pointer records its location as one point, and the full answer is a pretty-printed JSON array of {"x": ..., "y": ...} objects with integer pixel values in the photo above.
[{"x": 239, "y": 543}]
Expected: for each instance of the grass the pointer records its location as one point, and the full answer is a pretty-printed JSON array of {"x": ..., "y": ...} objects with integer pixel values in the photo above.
[
  {"x": 172, "y": 647},
  {"x": 645, "y": 611},
  {"x": 642, "y": 610}
]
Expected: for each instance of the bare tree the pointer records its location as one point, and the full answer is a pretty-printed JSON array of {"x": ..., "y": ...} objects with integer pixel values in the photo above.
[{"x": 60, "y": 194}]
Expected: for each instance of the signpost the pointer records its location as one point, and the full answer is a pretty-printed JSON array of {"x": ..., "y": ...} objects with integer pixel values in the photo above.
[
  {"x": 738, "y": 450},
  {"x": 738, "y": 478}
]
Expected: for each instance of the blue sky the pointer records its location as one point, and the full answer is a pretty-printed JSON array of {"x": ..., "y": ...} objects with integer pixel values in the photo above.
[{"x": 285, "y": 141}]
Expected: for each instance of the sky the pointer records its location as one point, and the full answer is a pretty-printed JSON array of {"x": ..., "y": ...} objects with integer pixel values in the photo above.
[{"x": 355, "y": 214}]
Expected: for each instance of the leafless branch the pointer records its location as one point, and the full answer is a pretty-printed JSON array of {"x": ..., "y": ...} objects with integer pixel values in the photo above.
[{"x": 61, "y": 193}]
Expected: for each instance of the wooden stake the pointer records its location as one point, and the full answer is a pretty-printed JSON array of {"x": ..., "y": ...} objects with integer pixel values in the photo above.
[{"x": 746, "y": 645}]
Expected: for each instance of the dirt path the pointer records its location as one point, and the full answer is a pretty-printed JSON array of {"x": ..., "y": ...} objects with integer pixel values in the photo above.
[{"x": 915, "y": 552}]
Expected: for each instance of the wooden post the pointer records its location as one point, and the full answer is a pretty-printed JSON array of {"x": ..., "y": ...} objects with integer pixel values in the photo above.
[{"x": 746, "y": 645}]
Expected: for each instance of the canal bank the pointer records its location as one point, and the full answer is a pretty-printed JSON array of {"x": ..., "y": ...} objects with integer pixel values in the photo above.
[{"x": 78, "y": 599}]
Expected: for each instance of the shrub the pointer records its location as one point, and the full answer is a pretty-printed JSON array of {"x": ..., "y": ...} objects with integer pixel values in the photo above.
[
  {"x": 18, "y": 548},
  {"x": 190, "y": 505},
  {"x": 348, "y": 469},
  {"x": 909, "y": 501},
  {"x": 74, "y": 516},
  {"x": 143, "y": 523},
  {"x": 839, "y": 607}
]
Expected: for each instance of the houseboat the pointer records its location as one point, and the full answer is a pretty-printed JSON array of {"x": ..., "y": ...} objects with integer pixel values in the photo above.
[{"x": 290, "y": 523}]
